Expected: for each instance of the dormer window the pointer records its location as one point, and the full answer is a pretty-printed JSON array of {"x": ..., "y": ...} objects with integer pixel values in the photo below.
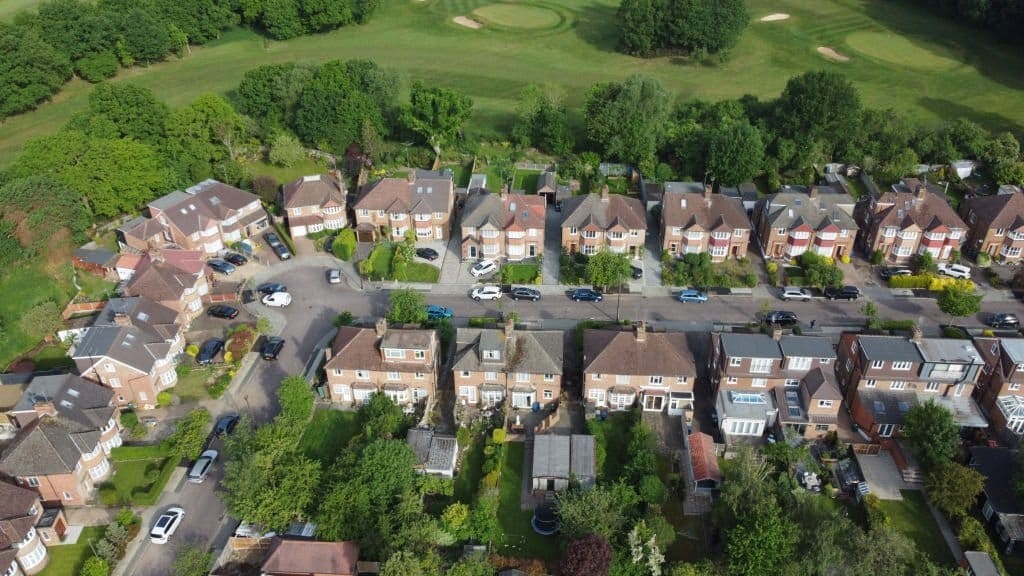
[
  {"x": 394, "y": 353},
  {"x": 492, "y": 355}
]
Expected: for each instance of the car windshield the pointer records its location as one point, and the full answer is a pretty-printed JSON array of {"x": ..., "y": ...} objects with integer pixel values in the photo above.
[{"x": 163, "y": 522}]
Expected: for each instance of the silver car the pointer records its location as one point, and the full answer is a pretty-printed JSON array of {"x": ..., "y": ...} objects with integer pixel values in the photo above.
[
  {"x": 796, "y": 293},
  {"x": 202, "y": 467}
]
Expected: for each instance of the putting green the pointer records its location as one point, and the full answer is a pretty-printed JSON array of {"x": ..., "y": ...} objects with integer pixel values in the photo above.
[
  {"x": 901, "y": 50},
  {"x": 526, "y": 16}
]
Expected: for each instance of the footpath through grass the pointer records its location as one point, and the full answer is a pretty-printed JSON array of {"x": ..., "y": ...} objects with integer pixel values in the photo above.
[{"x": 912, "y": 517}]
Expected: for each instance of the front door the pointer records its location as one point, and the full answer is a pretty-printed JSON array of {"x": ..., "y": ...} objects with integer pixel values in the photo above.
[
  {"x": 472, "y": 251},
  {"x": 653, "y": 403},
  {"x": 533, "y": 250}
]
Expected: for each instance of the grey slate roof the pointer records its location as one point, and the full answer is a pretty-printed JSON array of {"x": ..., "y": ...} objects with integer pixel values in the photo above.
[
  {"x": 98, "y": 256},
  {"x": 949, "y": 350},
  {"x": 144, "y": 335},
  {"x": 1014, "y": 348},
  {"x": 433, "y": 452},
  {"x": 998, "y": 466},
  {"x": 530, "y": 351},
  {"x": 49, "y": 445},
  {"x": 73, "y": 397},
  {"x": 551, "y": 453},
  {"x": 791, "y": 208},
  {"x": 692, "y": 187},
  {"x": 582, "y": 459},
  {"x": 807, "y": 346},
  {"x": 750, "y": 346},
  {"x": 890, "y": 348}
]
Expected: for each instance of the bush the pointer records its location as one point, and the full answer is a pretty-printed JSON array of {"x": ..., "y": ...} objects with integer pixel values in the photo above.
[
  {"x": 877, "y": 517},
  {"x": 983, "y": 260},
  {"x": 876, "y": 257},
  {"x": 129, "y": 419},
  {"x": 845, "y": 259},
  {"x": 498, "y": 436},
  {"x": 97, "y": 67},
  {"x": 919, "y": 281},
  {"x": 219, "y": 385},
  {"x": 986, "y": 333},
  {"x": 896, "y": 324},
  {"x": 164, "y": 399},
  {"x": 107, "y": 494},
  {"x": 344, "y": 246},
  {"x": 183, "y": 369},
  {"x": 192, "y": 350},
  {"x": 463, "y": 436}
]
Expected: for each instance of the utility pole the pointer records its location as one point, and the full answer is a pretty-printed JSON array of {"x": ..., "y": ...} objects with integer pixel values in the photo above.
[{"x": 618, "y": 295}]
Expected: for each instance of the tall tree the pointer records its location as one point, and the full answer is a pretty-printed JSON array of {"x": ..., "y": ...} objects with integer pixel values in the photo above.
[
  {"x": 932, "y": 432},
  {"x": 959, "y": 300},
  {"x": 205, "y": 134},
  {"x": 270, "y": 93},
  {"x": 602, "y": 510},
  {"x": 46, "y": 206},
  {"x": 627, "y": 121},
  {"x": 954, "y": 488},
  {"x": 133, "y": 111},
  {"x": 436, "y": 114},
  {"x": 31, "y": 70},
  {"x": 607, "y": 268},
  {"x": 735, "y": 153},
  {"x": 818, "y": 107},
  {"x": 407, "y": 306},
  {"x": 761, "y": 545},
  {"x": 190, "y": 434},
  {"x": 333, "y": 108}
]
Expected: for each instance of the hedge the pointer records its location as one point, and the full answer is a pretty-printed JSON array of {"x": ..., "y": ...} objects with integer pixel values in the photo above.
[{"x": 928, "y": 282}]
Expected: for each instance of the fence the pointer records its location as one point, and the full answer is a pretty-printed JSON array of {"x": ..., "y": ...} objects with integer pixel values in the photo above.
[
  {"x": 75, "y": 308},
  {"x": 536, "y": 167}
]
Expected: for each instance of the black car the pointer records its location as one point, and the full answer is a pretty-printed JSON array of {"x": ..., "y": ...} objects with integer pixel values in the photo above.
[
  {"x": 585, "y": 295},
  {"x": 636, "y": 272},
  {"x": 282, "y": 251},
  {"x": 222, "y": 311},
  {"x": 524, "y": 293},
  {"x": 221, "y": 266},
  {"x": 208, "y": 351},
  {"x": 1003, "y": 320},
  {"x": 842, "y": 293},
  {"x": 272, "y": 239},
  {"x": 427, "y": 254},
  {"x": 237, "y": 259},
  {"x": 225, "y": 424},
  {"x": 780, "y": 317},
  {"x": 271, "y": 347},
  {"x": 270, "y": 288},
  {"x": 887, "y": 273}
]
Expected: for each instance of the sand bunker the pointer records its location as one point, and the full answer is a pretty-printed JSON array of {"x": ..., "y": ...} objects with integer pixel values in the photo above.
[
  {"x": 468, "y": 22},
  {"x": 775, "y": 17},
  {"x": 831, "y": 54}
]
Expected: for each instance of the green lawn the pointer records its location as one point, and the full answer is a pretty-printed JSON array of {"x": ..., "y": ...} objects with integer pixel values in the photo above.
[
  {"x": 192, "y": 386},
  {"x": 901, "y": 56},
  {"x": 912, "y": 517},
  {"x": 23, "y": 287},
  {"x": 526, "y": 180},
  {"x": 94, "y": 287},
  {"x": 519, "y": 273},
  {"x": 328, "y": 433},
  {"x": 382, "y": 256},
  {"x": 67, "y": 560},
  {"x": 284, "y": 175},
  {"x": 53, "y": 358},
  {"x": 140, "y": 473},
  {"x": 615, "y": 431},
  {"x": 519, "y": 538},
  {"x": 467, "y": 483},
  {"x": 689, "y": 545}
]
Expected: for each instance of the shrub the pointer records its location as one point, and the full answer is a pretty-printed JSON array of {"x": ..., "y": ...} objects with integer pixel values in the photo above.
[
  {"x": 229, "y": 357},
  {"x": 192, "y": 350},
  {"x": 987, "y": 333},
  {"x": 344, "y": 246},
  {"x": 219, "y": 385},
  {"x": 94, "y": 565},
  {"x": 97, "y": 67},
  {"x": 920, "y": 281},
  {"x": 876, "y": 257},
  {"x": 129, "y": 419},
  {"x": 184, "y": 369},
  {"x": 463, "y": 436},
  {"x": 845, "y": 259},
  {"x": 164, "y": 399},
  {"x": 954, "y": 256},
  {"x": 896, "y": 324},
  {"x": 344, "y": 318},
  {"x": 877, "y": 517},
  {"x": 498, "y": 436},
  {"x": 983, "y": 260},
  {"x": 107, "y": 494}
]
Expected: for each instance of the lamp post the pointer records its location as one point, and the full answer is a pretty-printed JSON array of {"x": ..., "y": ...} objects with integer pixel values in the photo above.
[{"x": 618, "y": 295}]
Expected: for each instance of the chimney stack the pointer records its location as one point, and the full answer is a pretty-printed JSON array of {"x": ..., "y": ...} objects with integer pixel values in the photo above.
[
  {"x": 510, "y": 326},
  {"x": 776, "y": 332},
  {"x": 604, "y": 193},
  {"x": 328, "y": 354},
  {"x": 45, "y": 407},
  {"x": 922, "y": 191},
  {"x": 412, "y": 176},
  {"x": 381, "y": 327},
  {"x": 641, "y": 331},
  {"x": 122, "y": 319},
  {"x": 707, "y": 191},
  {"x": 814, "y": 192},
  {"x": 156, "y": 255},
  {"x": 916, "y": 334}
]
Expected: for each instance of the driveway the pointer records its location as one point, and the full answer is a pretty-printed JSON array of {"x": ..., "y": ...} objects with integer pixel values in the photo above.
[
  {"x": 552, "y": 247},
  {"x": 883, "y": 476}
]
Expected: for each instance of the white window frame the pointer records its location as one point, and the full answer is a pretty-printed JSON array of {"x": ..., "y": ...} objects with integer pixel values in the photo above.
[
  {"x": 548, "y": 395},
  {"x": 824, "y": 403},
  {"x": 734, "y": 361},
  {"x": 761, "y": 365},
  {"x": 902, "y": 365},
  {"x": 898, "y": 385},
  {"x": 870, "y": 383},
  {"x": 877, "y": 364},
  {"x": 799, "y": 363},
  {"x": 656, "y": 380},
  {"x": 522, "y": 376},
  {"x": 886, "y": 430}
]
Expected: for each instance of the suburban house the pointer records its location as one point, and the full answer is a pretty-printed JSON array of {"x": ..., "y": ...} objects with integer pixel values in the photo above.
[
  {"x": 596, "y": 222},
  {"x": 912, "y": 219},
  {"x": 131, "y": 348},
  {"x": 883, "y": 377},
  {"x": 72, "y": 398},
  {"x": 314, "y": 203},
  {"x": 12, "y": 388},
  {"x": 400, "y": 362},
  {"x": 435, "y": 453},
  {"x": 995, "y": 225},
  {"x": 57, "y": 457},
  {"x": 704, "y": 474},
  {"x": 305, "y": 557},
  {"x": 704, "y": 222},
  {"x": 421, "y": 202},
  {"x": 559, "y": 460},
  {"x": 1000, "y": 390},
  {"x": 746, "y": 194},
  {"x": 98, "y": 261},
  {"x": 999, "y": 503},
  {"x": 621, "y": 367},
  {"x": 523, "y": 366},
  {"x": 173, "y": 278},
  {"x": 210, "y": 217},
  {"x": 502, "y": 226},
  {"x": 795, "y": 220},
  {"x": 26, "y": 529},
  {"x": 550, "y": 190},
  {"x": 776, "y": 382}
]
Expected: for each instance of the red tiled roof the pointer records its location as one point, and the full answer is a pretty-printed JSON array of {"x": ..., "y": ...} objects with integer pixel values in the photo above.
[{"x": 704, "y": 458}]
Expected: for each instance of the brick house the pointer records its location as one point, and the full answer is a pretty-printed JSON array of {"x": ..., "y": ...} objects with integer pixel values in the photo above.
[
  {"x": 795, "y": 220},
  {"x": 132, "y": 349},
  {"x": 622, "y": 367},
  {"x": 309, "y": 558},
  {"x": 400, "y": 362},
  {"x": 595, "y": 222},
  {"x": 73, "y": 398},
  {"x": 1000, "y": 391},
  {"x": 26, "y": 529},
  {"x": 911, "y": 219},
  {"x": 172, "y": 278},
  {"x": 502, "y": 226},
  {"x": 314, "y": 203},
  {"x": 209, "y": 217},
  {"x": 712, "y": 223},
  {"x": 422, "y": 202},
  {"x": 59, "y": 458},
  {"x": 522, "y": 366},
  {"x": 995, "y": 225}
]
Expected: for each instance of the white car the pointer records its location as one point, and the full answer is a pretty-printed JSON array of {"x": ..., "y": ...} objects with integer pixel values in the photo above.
[
  {"x": 277, "y": 299},
  {"x": 483, "y": 267},
  {"x": 486, "y": 293},
  {"x": 334, "y": 276},
  {"x": 955, "y": 270},
  {"x": 202, "y": 467},
  {"x": 166, "y": 525}
]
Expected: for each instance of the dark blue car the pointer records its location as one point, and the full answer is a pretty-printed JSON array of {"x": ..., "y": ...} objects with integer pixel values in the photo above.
[
  {"x": 225, "y": 268},
  {"x": 585, "y": 295},
  {"x": 208, "y": 351}
]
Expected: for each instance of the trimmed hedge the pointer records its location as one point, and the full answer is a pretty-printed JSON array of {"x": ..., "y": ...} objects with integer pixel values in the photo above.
[{"x": 928, "y": 282}]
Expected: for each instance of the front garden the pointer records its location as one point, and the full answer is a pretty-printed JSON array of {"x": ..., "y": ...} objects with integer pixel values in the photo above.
[
  {"x": 396, "y": 261},
  {"x": 140, "y": 473},
  {"x": 809, "y": 269},
  {"x": 520, "y": 273},
  {"x": 697, "y": 270}
]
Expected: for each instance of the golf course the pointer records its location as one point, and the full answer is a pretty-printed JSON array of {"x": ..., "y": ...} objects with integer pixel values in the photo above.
[{"x": 898, "y": 55}]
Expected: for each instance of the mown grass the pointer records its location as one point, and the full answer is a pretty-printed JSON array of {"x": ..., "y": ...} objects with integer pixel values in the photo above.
[
  {"x": 519, "y": 273},
  {"x": 977, "y": 79},
  {"x": 519, "y": 538},
  {"x": 912, "y": 517},
  {"x": 284, "y": 175},
  {"x": 24, "y": 287},
  {"x": 383, "y": 255},
  {"x": 140, "y": 473},
  {"x": 53, "y": 358},
  {"x": 67, "y": 560}
]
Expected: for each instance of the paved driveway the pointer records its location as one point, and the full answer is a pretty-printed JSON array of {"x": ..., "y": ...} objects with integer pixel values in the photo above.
[{"x": 552, "y": 246}]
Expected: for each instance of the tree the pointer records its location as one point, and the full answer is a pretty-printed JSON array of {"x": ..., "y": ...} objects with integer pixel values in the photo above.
[
  {"x": 542, "y": 122},
  {"x": 192, "y": 560},
  {"x": 407, "y": 306},
  {"x": 818, "y": 107},
  {"x": 953, "y": 488},
  {"x": 344, "y": 245},
  {"x": 45, "y": 206},
  {"x": 95, "y": 566},
  {"x": 607, "y": 268},
  {"x": 405, "y": 563},
  {"x": 932, "y": 432},
  {"x": 639, "y": 26},
  {"x": 602, "y": 510},
  {"x": 762, "y": 545},
  {"x": 627, "y": 121},
  {"x": 472, "y": 566},
  {"x": 648, "y": 26},
  {"x": 286, "y": 150},
  {"x": 333, "y": 108},
  {"x": 820, "y": 272},
  {"x": 590, "y": 555},
  {"x": 295, "y": 399},
  {"x": 437, "y": 114},
  {"x": 42, "y": 320},
  {"x": 959, "y": 300},
  {"x": 30, "y": 71},
  {"x": 381, "y": 418},
  {"x": 206, "y": 134},
  {"x": 189, "y": 436},
  {"x": 735, "y": 153},
  {"x": 269, "y": 94},
  {"x": 133, "y": 112}
]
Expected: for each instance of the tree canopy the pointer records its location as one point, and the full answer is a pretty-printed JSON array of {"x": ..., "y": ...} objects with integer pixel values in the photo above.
[
  {"x": 607, "y": 268},
  {"x": 407, "y": 306},
  {"x": 436, "y": 114},
  {"x": 650, "y": 27},
  {"x": 958, "y": 300},
  {"x": 626, "y": 120},
  {"x": 953, "y": 488},
  {"x": 932, "y": 432}
]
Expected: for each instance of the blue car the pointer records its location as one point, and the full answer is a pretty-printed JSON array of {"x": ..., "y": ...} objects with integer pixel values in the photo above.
[
  {"x": 585, "y": 295},
  {"x": 692, "y": 296},
  {"x": 225, "y": 268},
  {"x": 435, "y": 312}
]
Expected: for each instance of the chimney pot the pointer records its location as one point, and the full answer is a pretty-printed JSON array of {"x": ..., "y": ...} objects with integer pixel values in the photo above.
[
  {"x": 776, "y": 332},
  {"x": 814, "y": 192},
  {"x": 641, "y": 331},
  {"x": 916, "y": 334},
  {"x": 45, "y": 407},
  {"x": 412, "y": 176},
  {"x": 381, "y": 327},
  {"x": 707, "y": 192},
  {"x": 604, "y": 193},
  {"x": 122, "y": 319}
]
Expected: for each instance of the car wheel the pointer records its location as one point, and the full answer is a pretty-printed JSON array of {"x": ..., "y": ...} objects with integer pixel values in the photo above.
[
  {"x": 785, "y": 299},
  {"x": 533, "y": 299},
  {"x": 477, "y": 298},
  {"x": 807, "y": 299}
]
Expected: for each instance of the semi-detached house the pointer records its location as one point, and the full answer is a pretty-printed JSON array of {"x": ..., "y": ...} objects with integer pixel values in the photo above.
[
  {"x": 703, "y": 222},
  {"x": 996, "y": 225},
  {"x": 604, "y": 221},
  {"x": 173, "y": 278},
  {"x": 1000, "y": 390},
  {"x": 502, "y": 226},
  {"x": 912, "y": 219},
  {"x": 795, "y": 220},
  {"x": 421, "y": 202},
  {"x": 26, "y": 529},
  {"x": 314, "y": 203}
]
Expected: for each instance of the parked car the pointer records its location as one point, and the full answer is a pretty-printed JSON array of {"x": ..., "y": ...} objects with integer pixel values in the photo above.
[
  {"x": 887, "y": 273},
  {"x": 218, "y": 265},
  {"x": 166, "y": 524},
  {"x": 268, "y": 289},
  {"x": 795, "y": 293},
  {"x": 427, "y": 254},
  {"x": 271, "y": 347},
  {"x": 435, "y": 312},
  {"x": 282, "y": 251},
  {"x": 955, "y": 270},
  {"x": 486, "y": 293},
  {"x": 222, "y": 311},
  {"x": 277, "y": 299},
  {"x": 524, "y": 293},
  {"x": 208, "y": 351},
  {"x": 780, "y": 317},
  {"x": 226, "y": 424},
  {"x": 237, "y": 259},
  {"x": 334, "y": 276},
  {"x": 636, "y": 272},
  {"x": 690, "y": 295},
  {"x": 272, "y": 239},
  {"x": 1003, "y": 320},
  {"x": 201, "y": 468},
  {"x": 842, "y": 293},
  {"x": 483, "y": 268},
  {"x": 585, "y": 295}
]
